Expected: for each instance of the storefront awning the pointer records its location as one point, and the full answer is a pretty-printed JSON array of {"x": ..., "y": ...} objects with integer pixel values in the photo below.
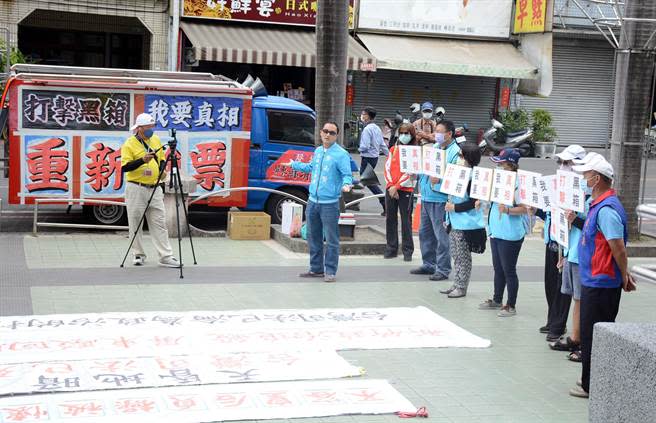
[
  {"x": 458, "y": 57},
  {"x": 265, "y": 46}
]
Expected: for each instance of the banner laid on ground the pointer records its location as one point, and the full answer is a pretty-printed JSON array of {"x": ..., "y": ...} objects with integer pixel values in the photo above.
[
  {"x": 92, "y": 336},
  {"x": 209, "y": 403},
  {"x": 143, "y": 372}
]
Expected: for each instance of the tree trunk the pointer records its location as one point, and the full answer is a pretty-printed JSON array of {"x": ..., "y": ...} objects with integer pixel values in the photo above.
[
  {"x": 634, "y": 73},
  {"x": 332, "y": 38}
]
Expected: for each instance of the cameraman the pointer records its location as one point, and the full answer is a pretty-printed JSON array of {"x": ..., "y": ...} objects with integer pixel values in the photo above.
[{"x": 142, "y": 161}]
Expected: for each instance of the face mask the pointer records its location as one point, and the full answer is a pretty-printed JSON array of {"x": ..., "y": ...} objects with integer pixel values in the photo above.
[
  {"x": 439, "y": 138},
  {"x": 587, "y": 190},
  {"x": 427, "y": 115},
  {"x": 148, "y": 133},
  {"x": 405, "y": 138},
  {"x": 588, "y": 187}
]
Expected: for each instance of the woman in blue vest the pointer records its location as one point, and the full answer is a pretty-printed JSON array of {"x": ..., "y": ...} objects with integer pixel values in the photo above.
[
  {"x": 467, "y": 227},
  {"x": 507, "y": 227}
]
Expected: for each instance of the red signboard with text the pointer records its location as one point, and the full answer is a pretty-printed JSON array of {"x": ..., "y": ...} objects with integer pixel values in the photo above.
[
  {"x": 287, "y": 12},
  {"x": 279, "y": 172}
]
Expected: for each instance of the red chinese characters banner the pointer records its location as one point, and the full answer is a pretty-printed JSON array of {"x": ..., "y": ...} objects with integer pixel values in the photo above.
[
  {"x": 288, "y": 12},
  {"x": 279, "y": 172}
]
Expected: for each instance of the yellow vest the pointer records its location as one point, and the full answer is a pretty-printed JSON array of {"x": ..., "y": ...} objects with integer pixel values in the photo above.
[{"x": 133, "y": 149}]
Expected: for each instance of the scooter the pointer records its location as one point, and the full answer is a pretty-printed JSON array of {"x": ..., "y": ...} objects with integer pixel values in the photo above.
[{"x": 521, "y": 140}]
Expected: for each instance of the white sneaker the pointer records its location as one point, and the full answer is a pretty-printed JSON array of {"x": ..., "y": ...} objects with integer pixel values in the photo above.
[
  {"x": 139, "y": 260},
  {"x": 169, "y": 261}
]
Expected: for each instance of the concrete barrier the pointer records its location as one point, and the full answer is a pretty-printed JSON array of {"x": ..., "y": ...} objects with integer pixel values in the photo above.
[{"x": 623, "y": 373}]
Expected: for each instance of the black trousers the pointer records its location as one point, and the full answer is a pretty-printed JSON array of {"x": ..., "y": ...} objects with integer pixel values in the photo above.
[
  {"x": 597, "y": 305},
  {"x": 557, "y": 302},
  {"x": 375, "y": 189},
  {"x": 403, "y": 206}
]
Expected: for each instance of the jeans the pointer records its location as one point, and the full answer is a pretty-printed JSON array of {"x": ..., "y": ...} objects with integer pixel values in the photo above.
[
  {"x": 504, "y": 259},
  {"x": 375, "y": 189},
  {"x": 323, "y": 219},
  {"x": 597, "y": 305},
  {"x": 433, "y": 239},
  {"x": 404, "y": 206}
]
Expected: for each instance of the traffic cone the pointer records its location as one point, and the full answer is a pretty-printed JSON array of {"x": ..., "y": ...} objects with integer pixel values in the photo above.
[{"x": 416, "y": 215}]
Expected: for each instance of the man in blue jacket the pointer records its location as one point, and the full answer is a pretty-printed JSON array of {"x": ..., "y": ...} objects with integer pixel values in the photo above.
[
  {"x": 331, "y": 175},
  {"x": 433, "y": 239}
]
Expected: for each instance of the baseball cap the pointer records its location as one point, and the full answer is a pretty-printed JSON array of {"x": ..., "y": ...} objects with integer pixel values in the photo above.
[
  {"x": 143, "y": 119},
  {"x": 587, "y": 158},
  {"x": 427, "y": 106},
  {"x": 597, "y": 164},
  {"x": 572, "y": 152},
  {"x": 510, "y": 155}
]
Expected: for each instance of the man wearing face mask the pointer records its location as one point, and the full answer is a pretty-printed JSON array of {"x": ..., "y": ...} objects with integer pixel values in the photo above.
[
  {"x": 142, "y": 161},
  {"x": 603, "y": 263},
  {"x": 433, "y": 239},
  {"x": 372, "y": 144},
  {"x": 426, "y": 126}
]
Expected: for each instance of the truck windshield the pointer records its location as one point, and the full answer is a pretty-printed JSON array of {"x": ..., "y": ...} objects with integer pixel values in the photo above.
[{"x": 291, "y": 127}]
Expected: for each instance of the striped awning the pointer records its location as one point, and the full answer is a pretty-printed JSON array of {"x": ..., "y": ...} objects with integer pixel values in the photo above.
[{"x": 265, "y": 46}]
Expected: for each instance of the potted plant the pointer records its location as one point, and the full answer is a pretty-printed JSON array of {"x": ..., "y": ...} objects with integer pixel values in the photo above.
[
  {"x": 544, "y": 133},
  {"x": 513, "y": 121}
]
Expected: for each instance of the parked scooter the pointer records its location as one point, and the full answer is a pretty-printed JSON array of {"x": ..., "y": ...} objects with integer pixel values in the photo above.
[{"x": 521, "y": 140}]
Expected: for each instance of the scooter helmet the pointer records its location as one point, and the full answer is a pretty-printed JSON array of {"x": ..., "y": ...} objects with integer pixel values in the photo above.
[
  {"x": 439, "y": 113},
  {"x": 415, "y": 107}
]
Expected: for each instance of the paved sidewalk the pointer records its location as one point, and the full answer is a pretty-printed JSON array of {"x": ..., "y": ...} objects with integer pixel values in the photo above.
[{"x": 517, "y": 379}]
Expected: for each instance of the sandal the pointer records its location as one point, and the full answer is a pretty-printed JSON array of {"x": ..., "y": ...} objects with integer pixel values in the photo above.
[
  {"x": 575, "y": 356},
  {"x": 565, "y": 345}
]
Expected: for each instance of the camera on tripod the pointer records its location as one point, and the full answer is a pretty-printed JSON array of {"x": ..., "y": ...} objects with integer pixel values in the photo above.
[{"x": 173, "y": 142}]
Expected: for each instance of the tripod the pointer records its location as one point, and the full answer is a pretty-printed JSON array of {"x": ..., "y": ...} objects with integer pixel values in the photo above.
[{"x": 176, "y": 183}]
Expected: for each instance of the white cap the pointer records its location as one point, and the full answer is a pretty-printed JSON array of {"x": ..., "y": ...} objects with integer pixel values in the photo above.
[
  {"x": 143, "y": 119},
  {"x": 597, "y": 164},
  {"x": 590, "y": 156},
  {"x": 572, "y": 152}
]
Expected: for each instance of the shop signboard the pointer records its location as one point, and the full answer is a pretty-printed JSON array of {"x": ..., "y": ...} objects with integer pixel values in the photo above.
[
  {"x": 530, "y": 16},
  {"x": 286, "y": 12},
  {"x": 454, "y": 18}
]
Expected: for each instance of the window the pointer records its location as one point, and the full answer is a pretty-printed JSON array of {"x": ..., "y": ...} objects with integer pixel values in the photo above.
[{"x": 291, "y": 127}]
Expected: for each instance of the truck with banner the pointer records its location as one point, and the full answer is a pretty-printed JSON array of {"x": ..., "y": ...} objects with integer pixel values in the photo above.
[{"x": 66, "y": 126}]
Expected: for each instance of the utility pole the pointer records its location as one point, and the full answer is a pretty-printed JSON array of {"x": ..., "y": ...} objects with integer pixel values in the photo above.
[
  {"x": 634, "y": 76},
  {"x": 330, "y": 85}
]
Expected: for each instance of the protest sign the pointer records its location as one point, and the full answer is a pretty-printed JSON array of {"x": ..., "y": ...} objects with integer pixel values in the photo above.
[
  {"x": 503, "y": 187},
  {"x": 529, "y": 188},
  {"x": 433, "y": 161},
  {"x": 547, "y": 192},
  {"x": 455, "y": 180},
  {"x": 481, "y": 183},
  {"x": 559, "y": 227},
  {"x": 410, "y": 159},
  {"x": 570, "y": 195}
]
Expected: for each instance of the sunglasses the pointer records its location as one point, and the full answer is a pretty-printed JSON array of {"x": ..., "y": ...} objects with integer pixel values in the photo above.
[{"x": 329, "y": 132}]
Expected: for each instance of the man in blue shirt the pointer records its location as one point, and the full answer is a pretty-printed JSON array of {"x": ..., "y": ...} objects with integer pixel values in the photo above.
[
  {"x": 372, "y": 144},
  {"x": 433, "y": 239},
  {"x": 331, "y": 175},
  {"x": 603, "y": 263}
]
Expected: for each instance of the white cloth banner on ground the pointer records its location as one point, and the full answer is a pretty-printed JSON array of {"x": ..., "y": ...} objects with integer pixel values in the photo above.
[
  {"x": 92, "y": 336},
  {"x": 529, "y": 188},
  {"x": 481, "y": 187},
  {"x": 180, "y": 370},
  {"x": 193, "y": 404}
]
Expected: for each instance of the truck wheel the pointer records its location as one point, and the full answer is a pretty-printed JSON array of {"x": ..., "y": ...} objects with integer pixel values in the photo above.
[
  {"x": 107, "y": 214},
  {"x": 275, "y": 202}
]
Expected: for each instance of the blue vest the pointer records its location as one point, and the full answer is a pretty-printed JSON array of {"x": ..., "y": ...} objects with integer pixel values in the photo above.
[{"x": 597, "y": 266}]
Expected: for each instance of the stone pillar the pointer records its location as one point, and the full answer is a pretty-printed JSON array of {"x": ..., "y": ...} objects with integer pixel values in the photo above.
[{"x": 188, "y": 185}]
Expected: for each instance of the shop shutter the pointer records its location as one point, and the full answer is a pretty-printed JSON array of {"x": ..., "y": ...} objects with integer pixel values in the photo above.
[{"x": 582, "y": 95}]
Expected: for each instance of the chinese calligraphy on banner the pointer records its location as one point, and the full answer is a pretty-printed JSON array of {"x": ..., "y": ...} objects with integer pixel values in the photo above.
[
  {"x": 456, "y": 180},
  {"x": 559, "y": 230},
  {"x": 47, "y": 167},
  {"x": 548, "y": 186},
  {"x": 503, "y": 187},
  {"x": 75, "y": 110},
  {"x": 570, "y": 195},
  {"x": 207, "y": 161},
  {"x": 186, "y": 113},
  {"x": 530, "y": 16},
  {"x": 529, "y": 188},
  {"x": 481, "y": 187},
  {"x": 192, "y": 404},
  {"x": 279, "y": 172},
  {"x": 433, "y": 160},
  {"x": 288, "y": 12},
  {"x": 101, "y": 165},
  {"x": 410, "y": 159}
]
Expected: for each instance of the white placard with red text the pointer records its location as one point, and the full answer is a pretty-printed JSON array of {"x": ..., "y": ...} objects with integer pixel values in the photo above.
[
  {"x": 410, "y": 159},
  {"x": 456, "y": 180},
  {"x": 548, "y": 186},
  {"x": 570, "y": 195},
  {"x": 559, "y": 230},
  {"x": 481, "y": 187},
  {"x": 503, "y": 187},
  {"x": 529, "y": 188},
  {"x": 433, "y": 160}
]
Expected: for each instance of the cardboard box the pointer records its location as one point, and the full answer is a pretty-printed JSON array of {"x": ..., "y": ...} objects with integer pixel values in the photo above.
[
  {"x": 292, "y": 219},
  {"x": 249, "y": 225}
]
